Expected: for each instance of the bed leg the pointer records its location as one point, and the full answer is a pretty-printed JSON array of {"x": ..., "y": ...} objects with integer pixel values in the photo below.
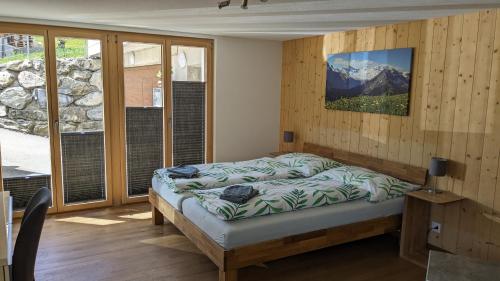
[
  {"x": 228, "y": 275},
  {"x": 157, "y": 216}
]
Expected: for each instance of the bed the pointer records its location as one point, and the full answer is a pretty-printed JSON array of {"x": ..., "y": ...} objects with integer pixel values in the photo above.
[
  {"x": 214, "y": 175},
  {"x": 235, "y": 244}
]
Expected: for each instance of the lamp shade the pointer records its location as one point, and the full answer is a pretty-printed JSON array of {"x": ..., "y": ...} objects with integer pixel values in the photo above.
[
  {"x": 288, "y": 136},
  {"x": 437, "y": 167}
]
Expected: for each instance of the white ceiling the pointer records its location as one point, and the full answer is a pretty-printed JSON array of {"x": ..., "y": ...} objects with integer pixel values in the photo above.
[{"x": 276, "y": 19}]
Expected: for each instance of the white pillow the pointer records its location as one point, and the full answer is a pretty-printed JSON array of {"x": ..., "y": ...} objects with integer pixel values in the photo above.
[
  {"x": 386, "y": 187},
  {"x": 308, "y": 164}
]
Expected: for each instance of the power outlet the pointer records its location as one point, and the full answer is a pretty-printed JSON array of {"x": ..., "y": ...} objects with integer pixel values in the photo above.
[{"x": 436, "y": 227}]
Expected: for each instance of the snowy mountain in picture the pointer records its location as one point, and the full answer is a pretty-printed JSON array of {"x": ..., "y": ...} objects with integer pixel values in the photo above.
[
  {"x": 376, "y": 81},
  {"x": 361, "y": 70}
]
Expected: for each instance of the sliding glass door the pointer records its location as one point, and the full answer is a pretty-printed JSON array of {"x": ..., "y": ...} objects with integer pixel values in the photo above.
[
  {"x": 142, "y": 67},
  {"x": 24, "y": 115},
  {"x": 78, "y": 70},
  {"x": 166, "y": 117},
  {"x": 92, "y": 114},
  {"x": 190, "y": 103}
]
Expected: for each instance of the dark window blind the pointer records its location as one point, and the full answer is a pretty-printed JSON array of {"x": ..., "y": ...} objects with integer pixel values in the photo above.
[{"x": 188, "y": 122}]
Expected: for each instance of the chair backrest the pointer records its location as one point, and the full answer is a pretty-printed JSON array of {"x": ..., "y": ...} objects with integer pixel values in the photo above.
[
  {"x": 25, "y": 250},
  {"x": 34, "y": 200}
]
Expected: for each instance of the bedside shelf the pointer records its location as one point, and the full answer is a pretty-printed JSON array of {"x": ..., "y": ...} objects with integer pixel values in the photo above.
[
  {"x": 443, "y": 197},
  {"x": 416, "y": 223}
]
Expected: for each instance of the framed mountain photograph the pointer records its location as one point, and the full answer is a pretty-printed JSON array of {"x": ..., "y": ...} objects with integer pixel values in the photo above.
[{"x": 374, "y": 81}]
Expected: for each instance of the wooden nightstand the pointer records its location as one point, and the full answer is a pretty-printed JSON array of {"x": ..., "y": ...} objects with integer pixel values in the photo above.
[{"x": 416, "y": 223}]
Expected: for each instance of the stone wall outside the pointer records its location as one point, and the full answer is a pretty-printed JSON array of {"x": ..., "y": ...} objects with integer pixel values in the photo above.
[{"x": 23, "y": 98}]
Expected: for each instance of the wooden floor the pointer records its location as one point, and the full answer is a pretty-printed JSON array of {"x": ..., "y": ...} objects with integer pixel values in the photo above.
[{"x": 105, "y": 245}]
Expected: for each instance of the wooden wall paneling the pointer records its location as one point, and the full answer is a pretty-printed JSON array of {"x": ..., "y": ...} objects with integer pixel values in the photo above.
[
  {"x": 468, "y": 237},
  {"x": 356, "y": 116},
  {"x": 349, "y": 45},
  {"x": 494, "y": 241},
  {"x": 319, "y": 88},
  {"x": 450, "y": 215},
  {"x": 291, "y": 94},
  {"x": 284, "y": 90},
  {"x": 450, "y": 83},
  {"x": 482, "y": 93},
  {"x": 288, "y": 126},
  {"x": 308, "y": 89},
  {"x": 301, "y": 97},
  {"x": 312, "y": 95},
  {"x": 462, "y": 103},
  {"x": 298, "y": 46},
  {"x": 454, "y": 113},
  {"x": 331, "y": 46},
  {"x": 377, "y": 121},
  {"x": 393, "y": 126},
  {"x": 435, "y": 88},
  {"x": 365, "y": 133},
  {"x": 423, "y": 74},
  {"x": 299, "y": 92},
  {"x": 384, "y": 129},
  {"x": 338, "y": 115},
  {"x": 312, "y": 100},
  {"x": 407, "y": 121},
  {"x": 398, "y": 38},
  {"x": 325, "y": 127},
  {"x": 287, "y": 107},
  {"x": 317, "y": 65},
  {"x": 326, "y": 115},
  {"x": 490, "y": 167}
]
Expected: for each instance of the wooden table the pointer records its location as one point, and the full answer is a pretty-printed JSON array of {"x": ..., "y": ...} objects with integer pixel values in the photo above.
[
  {"x": 449, "y": 267},
  {"x": 5, "y": 235}
]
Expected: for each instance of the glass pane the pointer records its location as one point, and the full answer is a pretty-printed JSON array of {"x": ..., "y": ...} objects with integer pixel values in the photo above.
[
  {"x": 24, "y": 127},
  {"x": 143, "y": 113},
  {"x": 188, "y": 98},
  {"x": 81, "y": 125}
]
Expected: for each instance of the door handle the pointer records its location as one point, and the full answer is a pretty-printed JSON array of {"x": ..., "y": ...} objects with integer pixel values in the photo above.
[{"x": 56, "y": 125}]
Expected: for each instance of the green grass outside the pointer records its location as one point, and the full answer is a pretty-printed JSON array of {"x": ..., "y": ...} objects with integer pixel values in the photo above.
[
  {"x": 393, "y": 105},
  {"x": 74, "y": 48}
]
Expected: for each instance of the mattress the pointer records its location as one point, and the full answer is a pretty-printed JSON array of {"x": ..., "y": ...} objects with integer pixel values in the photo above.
[
  {"x": 233, "y": 234},
  {"x": 174, "y": 199}
]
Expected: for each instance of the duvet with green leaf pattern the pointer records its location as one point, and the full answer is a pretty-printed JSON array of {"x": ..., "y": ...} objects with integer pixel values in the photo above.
[
  {"x": 278, "y": 196},
  {"x": 327, "y": 188},
  {"x": 224, "y": 174}
]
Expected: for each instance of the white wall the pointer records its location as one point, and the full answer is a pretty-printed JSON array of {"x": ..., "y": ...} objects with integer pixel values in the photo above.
[{"x": 247, "y": 98}]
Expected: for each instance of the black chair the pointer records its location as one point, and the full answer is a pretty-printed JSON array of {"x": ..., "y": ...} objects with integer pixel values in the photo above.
[{"x": 25, "y": 250}]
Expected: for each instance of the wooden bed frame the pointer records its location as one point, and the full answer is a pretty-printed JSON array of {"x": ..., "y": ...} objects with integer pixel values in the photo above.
[{"x": 229, "y": 261}]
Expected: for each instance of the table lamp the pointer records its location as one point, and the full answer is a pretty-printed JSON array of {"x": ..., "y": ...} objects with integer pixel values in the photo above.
[{"x": 437, "y": 168}]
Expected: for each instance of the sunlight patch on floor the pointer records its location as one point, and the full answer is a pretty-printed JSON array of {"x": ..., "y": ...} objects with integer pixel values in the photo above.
[
  {"x": 138, "y": 216},
  {"x": 92, "y": 221},
  {"x": 174, "y": 241}
]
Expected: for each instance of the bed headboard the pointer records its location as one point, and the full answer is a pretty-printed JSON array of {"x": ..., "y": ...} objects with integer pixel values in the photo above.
[{"x": 401, "y": 171}]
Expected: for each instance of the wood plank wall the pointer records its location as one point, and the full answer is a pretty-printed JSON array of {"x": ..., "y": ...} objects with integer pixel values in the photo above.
[{"x": 454, "y": 113}]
